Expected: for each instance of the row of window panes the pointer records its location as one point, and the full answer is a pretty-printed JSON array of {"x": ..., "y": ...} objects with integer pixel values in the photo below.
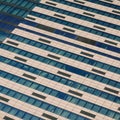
[
  {"x": 44, "y": 105},
  {"x": 14, "y": 20},
  {"x": 56, "y": 93},
  {"x": 74, "y": 70},
  {"x": 111, "y": 5},
  {"x": 47, "y": 106},
  {"x": 76, "y": 15},
  {"x": 94, "y": 10},
  {"x": 66, "y": 34},
  {"x": 73, "y": 36},
  {"x": 8, "y": 18},
  {"x": 20, "y": 3},
  {"x": 54, "y": 77},
  {"x": 77, "y": 26},
  {"x": 66, "y": 42},
  {"x": 17, "y": 112},
  {"x": 12, "y": 10},
  {"x": 16, "y": 10},
  {"x": 65, "y": 54}
]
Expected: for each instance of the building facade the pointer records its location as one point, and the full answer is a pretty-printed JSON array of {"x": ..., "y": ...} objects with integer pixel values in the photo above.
[{"x": 59, "y": 59}]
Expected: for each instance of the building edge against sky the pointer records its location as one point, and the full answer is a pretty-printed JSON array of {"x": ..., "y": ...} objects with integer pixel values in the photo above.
[{"x": 59, "y": 60}]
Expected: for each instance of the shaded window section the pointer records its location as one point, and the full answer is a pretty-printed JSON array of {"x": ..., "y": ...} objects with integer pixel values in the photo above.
[
  {"x": 68, "y": 29},
  {"x": 21, "y": 59},
  {"x": 50, "y": 3},
  {"x": 43, "y": 27},
  {"x": 7, "y": 118},
  {"x": 38, "y": 95},
  {"x": 18, "y": 8},
  {"x": 29, "y": 76},
  {"x": 110, "y": 42},
  {"x": 108, "y": 0},
  {"x": 4, "y": 99},
  {"x": 111, "y": 90},
  {"x": 79, "y": 1},
  {"x": 116, "y": 11},
  {"x": 44, "y": 40},
  {"x": 98, "y": 27},
  {"x": 53, "y": 56},
  {"x": 87, "y": 113},
  {"x": 64, "y": 74},
  {"x": 86, "y": 40},
  {"x": 98, "y": 71},
  {"x": 59, "y": 16},
  {"x": 49, "y": 116},
  {"x": 31, "y": 18},
  {"x": 75, "y": 93},
  {"x": 89, "y": 14},
  {"x": 3, "y": 35},
  {"x": 12, "y": 43},
  {"x": 87, "y": 54}
]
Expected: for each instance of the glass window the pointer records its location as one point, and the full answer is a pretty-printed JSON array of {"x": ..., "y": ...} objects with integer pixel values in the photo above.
[
  {"x": 51, "y": 108},
  {"x": 11, "y": 93},
  {"x": 37, "y": 103},
  {"x": 34, "y": 86},
  {"x": 41, "y": 88},
  {"x": 63, "y": 81},
  {"x": 17, "y": 95},
  {"x": 31, "y": 100},
  {"x": 13, "y": 111},
  {"x": 20, "y": 114},
  {"x": 97, "y": 92},
  {"x": 24, "y": 98},
  {"x": 5, "y": 91},
  {"x": 27, "y": 117},
  {"x": 72, "y": 117},
  {"x": 3, "y": 74},
  {"x": 56, "y": 78},
  {"x": 54, "y": 93},
  {"x": 68, "y": 98},
  {"x": 50, "y": 76},
  {"x": 74, "y": 100},
  {"x": 34, "y": 118},
  {"x": 117, "y": 116},
  {"x": 103, "y": 111},
  {"x": 82, "y": 103},
  {"x": 28, "y": 83},
  {"x": 58, "y": 111},
  {"x": 96, "y": 108},
  {"x": 6, "y": 109},
  {"x": 21, "y": 81},
  {"x": 44, "y": 106},
  {"x": 47, "y": 90},
  {"x": 65, "y": 114},
  {"x": 89, "y": 105}
]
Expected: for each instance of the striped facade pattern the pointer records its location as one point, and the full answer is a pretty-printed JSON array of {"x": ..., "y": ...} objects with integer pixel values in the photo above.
[{"x": 59, "y": 59}]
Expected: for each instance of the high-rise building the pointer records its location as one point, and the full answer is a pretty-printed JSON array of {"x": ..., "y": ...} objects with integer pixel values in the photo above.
[{"x": 59, "y": 59}]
